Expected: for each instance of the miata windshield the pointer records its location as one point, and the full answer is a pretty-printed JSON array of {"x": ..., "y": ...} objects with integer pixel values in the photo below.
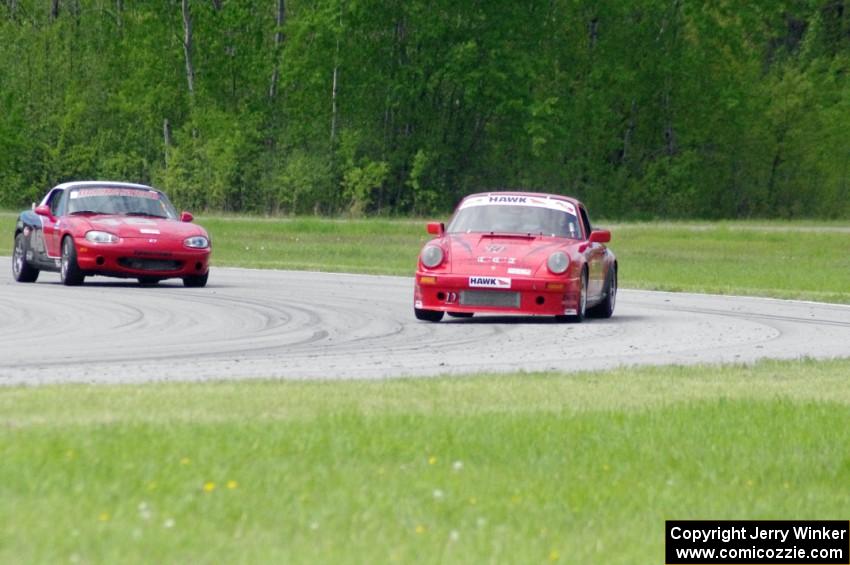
[{"x": 122, "y": 201}]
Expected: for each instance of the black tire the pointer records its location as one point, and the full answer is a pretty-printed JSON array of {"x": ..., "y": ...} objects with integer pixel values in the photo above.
[
  {"x": 21, "y": 269},
  {"x": 460, "y": 314},
  {"x": 428, "y": 315},
  {"x": 582, "y": 304},
  {"x": 197, "y": 281},
  {"x": 69, "y": 270},
  {"x": 149, "y": 281},
  {"x": 605, "y": 309}
]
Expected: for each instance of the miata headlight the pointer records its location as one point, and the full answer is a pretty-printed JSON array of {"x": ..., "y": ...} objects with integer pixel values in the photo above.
[
  {"x": 101, "y": 237},
  {"x": 558, "y": 262},
  {"x": 432, "y": 256},
  {"x": 196, "y": 242}
]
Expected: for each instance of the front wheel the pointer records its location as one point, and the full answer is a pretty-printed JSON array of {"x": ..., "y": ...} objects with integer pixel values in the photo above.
[
  {"x": 196, "y": 281},
  {"x": 460, "y": 314},
  {"x": 69, "y": 271},
  {"x": 428, "y": 315},
  {"x": 149, "y": 281},
  {"x": 21, "y": 269}
]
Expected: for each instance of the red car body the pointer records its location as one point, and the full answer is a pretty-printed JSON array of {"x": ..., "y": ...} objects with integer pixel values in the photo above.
[
  {"x": 109, "y": 228},
  {"x": 516, "y": 253}
]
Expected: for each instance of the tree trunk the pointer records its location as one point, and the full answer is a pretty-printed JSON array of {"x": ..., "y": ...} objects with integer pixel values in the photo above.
[
  {"x": 335, "y": 78},
  {"x": 166, "y": 137},
  {"x": 278, "y": 41},
  {"x": 187, "y": 48},
  {"x": 669, "y": 130},
  {"x": 593, "y": 31},
  {"x": 670, "y": 138},
  {"x": 630, "y": 128},
  {"x": 333, "y": 105},
  {"x": 54, "y": 9}
]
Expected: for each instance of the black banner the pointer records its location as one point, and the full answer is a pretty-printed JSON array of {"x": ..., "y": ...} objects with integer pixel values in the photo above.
[{"x": 757, "y": 542}]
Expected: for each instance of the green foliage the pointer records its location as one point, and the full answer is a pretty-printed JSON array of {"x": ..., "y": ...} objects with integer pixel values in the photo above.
[
  {"x": 656, "y": 109},
  {"x": 359, "y": 183},
  {"x": 422, "y": 183},
  {"x": 304, "y": 183}
]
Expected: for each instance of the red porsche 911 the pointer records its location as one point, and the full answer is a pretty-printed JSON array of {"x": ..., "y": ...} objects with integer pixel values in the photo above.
[
  {"x": 109, "y": 228},
  {"x": 516, "y": 253}
]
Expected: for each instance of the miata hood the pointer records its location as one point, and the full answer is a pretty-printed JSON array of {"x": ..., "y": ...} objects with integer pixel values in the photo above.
[
  {"x": 502, "y": 255},
  {"x": 143, "y": 226}
]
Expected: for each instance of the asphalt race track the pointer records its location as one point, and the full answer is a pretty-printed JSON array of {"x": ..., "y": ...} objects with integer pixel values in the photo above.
[{"x": 281, "y": 324}]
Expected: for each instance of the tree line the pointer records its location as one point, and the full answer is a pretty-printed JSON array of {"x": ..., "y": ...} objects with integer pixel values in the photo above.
[{"x": 643, "y": 109}]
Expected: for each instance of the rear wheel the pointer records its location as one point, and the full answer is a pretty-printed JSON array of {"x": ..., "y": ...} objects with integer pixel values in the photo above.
[
  {"x": 606, "y": 308},
  {"x": 428, "y": 315},
  {"x": 69, "y": 271},
  {"x": 21, "y": 269},
  {"x": 196, "y": 281}
]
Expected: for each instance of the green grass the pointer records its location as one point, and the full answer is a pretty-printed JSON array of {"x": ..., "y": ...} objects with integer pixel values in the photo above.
[
  {"x": 376, "y": 246},
  {"x": 803, "y": 260},
  {"x": 527, "y": 468},
  {"x": 784, "y": 260},
  {"x": 779, "y": 259},
  {"x": 500, "y": 469}
]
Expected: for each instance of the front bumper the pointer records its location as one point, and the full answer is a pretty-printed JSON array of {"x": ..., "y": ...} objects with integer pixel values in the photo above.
[
  {"x": 130, "y": 258},
  {"x": 531, "y": 296}
]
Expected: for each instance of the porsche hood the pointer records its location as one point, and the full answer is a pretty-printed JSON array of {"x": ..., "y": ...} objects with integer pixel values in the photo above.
[{"x": 501, "y": 255}]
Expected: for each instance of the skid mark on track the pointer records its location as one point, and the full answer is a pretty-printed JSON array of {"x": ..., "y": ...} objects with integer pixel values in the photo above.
[{"x": 278, "y": 324}]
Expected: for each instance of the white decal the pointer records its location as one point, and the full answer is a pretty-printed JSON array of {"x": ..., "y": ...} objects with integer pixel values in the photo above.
[
  {"x": 497, "y": 260},
  {"x": 105, "y": 191},
  {"x": 490, "y": 282},
  {"x": 149, "y": 231},
  {"x": 515, "y": 271},
  {"x": 139, "y": 222},
  {"x": 496, "y": 199},
  {"x": 107, "y": 221}
]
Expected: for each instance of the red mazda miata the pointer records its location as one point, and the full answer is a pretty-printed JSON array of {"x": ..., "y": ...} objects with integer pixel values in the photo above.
[
  {"x": 516, "y": 253},
  {"x": 109, "y": 228}
]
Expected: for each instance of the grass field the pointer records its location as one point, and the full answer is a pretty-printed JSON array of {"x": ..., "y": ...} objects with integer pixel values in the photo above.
[
  {"x": 779, "y": 259},
  {"x": 518, "y": 469},
  {"x": 785, "y": 260},
  {"x": 523, "y": 468}
]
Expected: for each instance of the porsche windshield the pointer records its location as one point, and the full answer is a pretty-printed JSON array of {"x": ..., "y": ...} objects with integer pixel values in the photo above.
[
  {"x": 515, "y": 219},
  {"x": 122, "y": 201}
]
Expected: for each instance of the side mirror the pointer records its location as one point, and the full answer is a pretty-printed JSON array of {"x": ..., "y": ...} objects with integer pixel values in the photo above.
[
  {"x": 186, "y": 217},
  {"x": 600, "y": 236},
  {"x": 436, "y": 228},
  {"x": 44, "y": 210}
]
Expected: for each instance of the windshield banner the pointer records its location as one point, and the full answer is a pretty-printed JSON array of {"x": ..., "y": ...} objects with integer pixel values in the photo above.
[{"x": 519, "y": 200}]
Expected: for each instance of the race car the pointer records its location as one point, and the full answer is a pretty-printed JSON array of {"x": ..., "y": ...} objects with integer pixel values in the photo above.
[
  {"x": 516, "y": 253},
  {"x": 114, "y": 229}
]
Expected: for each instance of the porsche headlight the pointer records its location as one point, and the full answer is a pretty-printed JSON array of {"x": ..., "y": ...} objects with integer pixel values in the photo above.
[
  {"x": 432, "y": 256},
  {"x": 558, "y": 262},
  {"x": 196, "y": 242},
  {"x": 101, "y": 237}
]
